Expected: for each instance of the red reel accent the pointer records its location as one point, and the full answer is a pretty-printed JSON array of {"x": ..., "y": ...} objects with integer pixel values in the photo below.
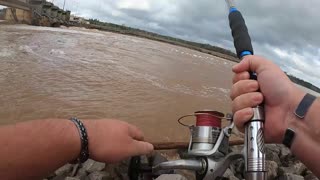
[{"x": 209, "y": 118}]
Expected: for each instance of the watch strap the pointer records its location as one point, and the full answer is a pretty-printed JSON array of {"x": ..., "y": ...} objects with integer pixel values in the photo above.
[
  {"x": 288, "y": 137},
  {"x": 304, "y": 105}
]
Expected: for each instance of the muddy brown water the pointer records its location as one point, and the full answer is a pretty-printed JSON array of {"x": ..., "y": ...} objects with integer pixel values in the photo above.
[{"x": 59, "y": 73}]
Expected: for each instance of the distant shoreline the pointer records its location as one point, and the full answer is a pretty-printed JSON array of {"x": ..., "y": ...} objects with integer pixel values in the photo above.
[{"x": 204, "y": 48}]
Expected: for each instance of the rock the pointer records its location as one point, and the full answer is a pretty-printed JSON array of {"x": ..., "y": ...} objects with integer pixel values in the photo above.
[
  {"x": 299, "y": 168},
  {"x": 290, "y": 177},
  {"x": 236, "y": 148},
  {"x": 59, "y": 177},
  {"x": 99, "y": 176},
  {"x": 288, "y": 161},
  {"x": 284, "y": 151},
  {"x": 71, "y": 178},
  {"x": 238, "y": 166},
  {"x": 272, "y": 153},
  {"x": 233, "y": 178},
  {"x": 92, "y": 166},
  {"x": 285, "y": 170},
  {"x": 81, "y": 174},
  {"x": 273, "y": 147},
  {"x": 310, "y": 176},
  {"x": 228, "y": 173},
  {"x": 171, "y": 177},
  {"x": 64, "y": 170},
  {"x": 271, "y": 168}
]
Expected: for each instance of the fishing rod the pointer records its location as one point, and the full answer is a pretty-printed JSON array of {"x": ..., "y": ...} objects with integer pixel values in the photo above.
[
  {"x": 254, "y": 150},
  {"x": 208, "y": 149}
]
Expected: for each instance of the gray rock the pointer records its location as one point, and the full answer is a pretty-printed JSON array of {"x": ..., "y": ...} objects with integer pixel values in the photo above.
[
  {"x": 299, "y": 168},
  {"x": 81, "y": 174},
  {"x": 233, "y": 178},
  {"x": 310, "y": 176},
  {"x": 237, "y": 166},
  {"x": 171, "y": 177},
  {"x": 288, "y": 161},
  {"x": 228, "y": 173},
  {"x": 59, "y": 177},
  {"x": 273, "y": 147},
  {"x": 64, "y": 170},
  {"x": 92, "y": 166},
  {"x": 71, "y": 178},
  {"x": 101, "y": 175},
  {"x": 285, "y": 170},
  {"x": 284, "y": 151},
  {"x": 290, "y": 177},
  {"x": 272, "y": 169},
  {"x": 272, "y": 153},
  {"x": 236, "y": 148}
]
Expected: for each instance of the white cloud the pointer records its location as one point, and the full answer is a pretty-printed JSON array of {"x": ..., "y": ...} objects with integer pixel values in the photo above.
[{"x": 143, "y": 5}]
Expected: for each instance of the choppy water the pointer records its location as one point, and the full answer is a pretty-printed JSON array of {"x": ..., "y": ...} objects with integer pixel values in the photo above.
[{"x": 59, "y": 73}]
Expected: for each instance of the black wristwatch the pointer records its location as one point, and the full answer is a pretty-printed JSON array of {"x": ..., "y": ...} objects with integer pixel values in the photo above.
[{"x": 288, "y": 137}]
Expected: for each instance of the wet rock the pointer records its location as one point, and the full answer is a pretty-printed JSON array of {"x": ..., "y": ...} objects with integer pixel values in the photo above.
[
  {"x": 64, "y": 170},
  {"x": 272, "y": 169},
  {"x": 290, "y": 177},
  {"x": 92, "y": 166},
  {"x": 99, "y": 176},
  {"x": 171, "y": 177}
]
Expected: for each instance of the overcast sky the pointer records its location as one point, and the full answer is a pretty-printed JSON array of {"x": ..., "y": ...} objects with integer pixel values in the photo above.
[{"x": 285, "y": 31}]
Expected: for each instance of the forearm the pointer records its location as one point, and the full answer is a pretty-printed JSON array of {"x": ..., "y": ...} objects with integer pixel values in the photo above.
[
  {"x": 32, "y": 150},
  {"x": 306, "y": 145}
]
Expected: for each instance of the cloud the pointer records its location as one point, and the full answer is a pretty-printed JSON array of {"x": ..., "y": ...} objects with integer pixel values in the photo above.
[{"x": 285, "y": 31}]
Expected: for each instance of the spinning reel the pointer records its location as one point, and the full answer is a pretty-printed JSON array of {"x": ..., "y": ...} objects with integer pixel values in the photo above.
[{"x": 207, "y": 151}]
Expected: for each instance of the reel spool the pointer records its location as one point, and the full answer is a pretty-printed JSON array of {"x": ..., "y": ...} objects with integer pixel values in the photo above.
[{"x": 207, "y": 137}]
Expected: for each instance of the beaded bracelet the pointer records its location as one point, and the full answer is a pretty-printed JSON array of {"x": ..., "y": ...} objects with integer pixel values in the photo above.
[{"x": 84, "y": 153}]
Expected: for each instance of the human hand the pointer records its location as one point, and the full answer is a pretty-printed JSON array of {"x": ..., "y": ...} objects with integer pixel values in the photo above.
[
  {"x": 111, "y": 141},
  {"x": 279, "y": 94}
]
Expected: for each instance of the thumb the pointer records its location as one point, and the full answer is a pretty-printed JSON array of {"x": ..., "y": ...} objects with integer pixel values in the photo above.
[
  {"x": 251, "y": 63},
  {"x": 140, "y": 148}
]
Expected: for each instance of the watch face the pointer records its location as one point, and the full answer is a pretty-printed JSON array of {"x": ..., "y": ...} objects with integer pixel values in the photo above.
[{"x": 288, "y": 137}]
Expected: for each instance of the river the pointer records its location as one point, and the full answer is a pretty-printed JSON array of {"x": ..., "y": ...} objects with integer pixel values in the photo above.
[{"x": 59, "y": 73}]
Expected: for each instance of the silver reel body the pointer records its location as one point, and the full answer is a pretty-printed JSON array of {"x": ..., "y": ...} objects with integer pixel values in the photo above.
[{"x": 208, "y": 147}]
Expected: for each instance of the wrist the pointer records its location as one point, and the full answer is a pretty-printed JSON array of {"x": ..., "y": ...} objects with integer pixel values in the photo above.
[{"x": 290, "y": 120}]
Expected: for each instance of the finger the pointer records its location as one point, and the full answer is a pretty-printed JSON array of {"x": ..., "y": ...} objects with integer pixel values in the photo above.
[
  {"x": 243, "y": 87},
  {"x": 251, "y": 63},
  {"x": 246, "y": 100},
  {"x": 242, "y": 117},
  {"x": 140, "y": 148},
  {"x": 135, "y": 133},
  {"x": 240, "y": 76}
]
